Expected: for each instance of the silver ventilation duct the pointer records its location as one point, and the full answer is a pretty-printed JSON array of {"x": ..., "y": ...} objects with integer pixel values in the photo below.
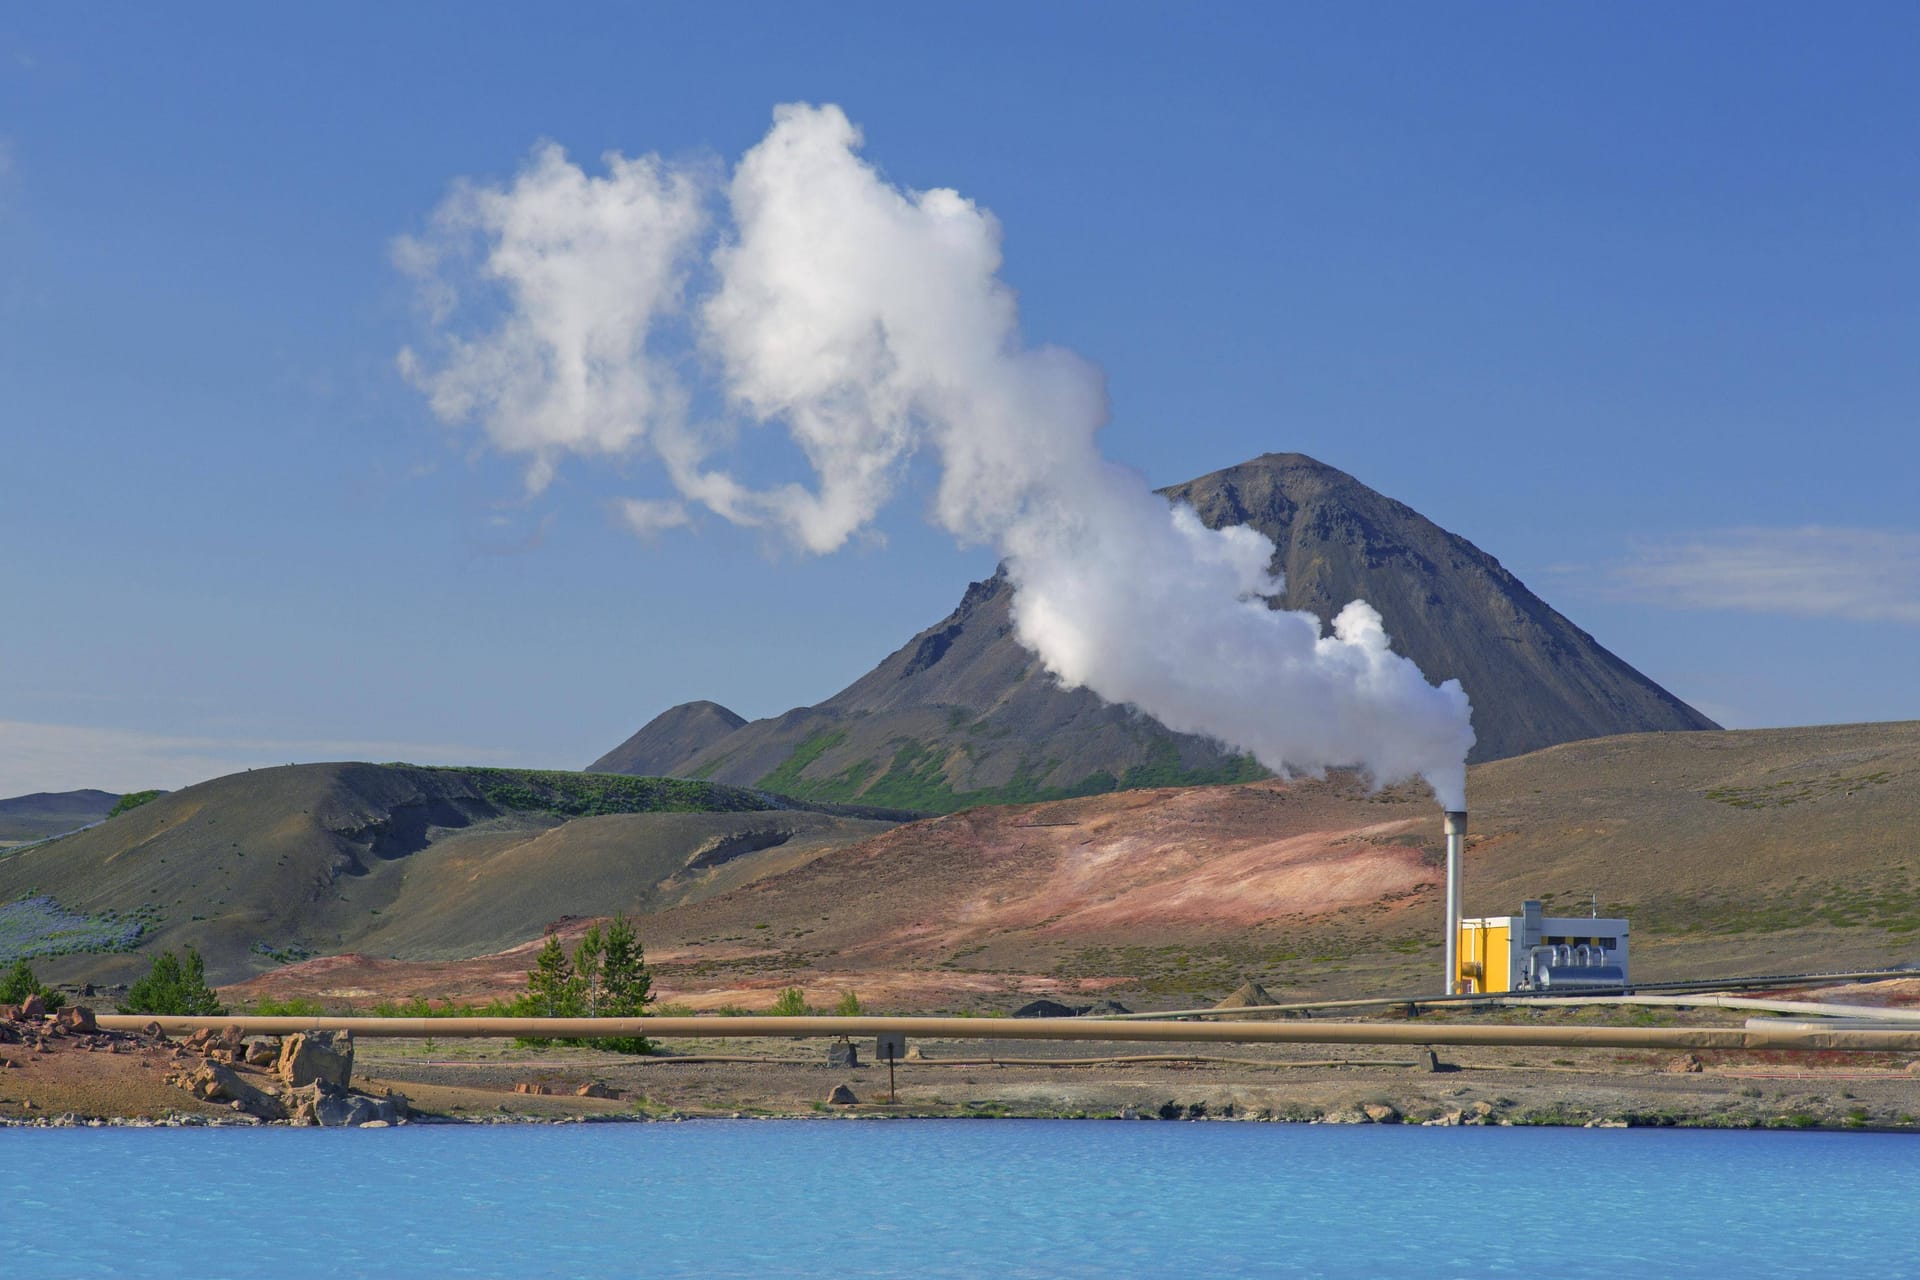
[{"x": 1456, "y": 845}]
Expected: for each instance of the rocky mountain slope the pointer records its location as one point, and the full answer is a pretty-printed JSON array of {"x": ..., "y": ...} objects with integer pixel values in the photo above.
[{"x": 963, "y": 715}]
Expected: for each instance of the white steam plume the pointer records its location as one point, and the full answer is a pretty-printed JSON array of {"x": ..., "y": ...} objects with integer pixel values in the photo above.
[{"x": 870, "y": 321}]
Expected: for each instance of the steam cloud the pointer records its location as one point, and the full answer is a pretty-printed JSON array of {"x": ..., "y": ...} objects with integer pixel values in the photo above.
[{"x": 869, "y": 322}]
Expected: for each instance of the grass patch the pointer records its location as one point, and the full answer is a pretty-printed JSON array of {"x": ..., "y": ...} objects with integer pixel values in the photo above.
[{"x": 915, "y": 779}]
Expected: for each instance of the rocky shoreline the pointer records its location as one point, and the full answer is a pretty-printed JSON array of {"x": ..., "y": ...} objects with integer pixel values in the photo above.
[{"x": 63, "y": 1071}]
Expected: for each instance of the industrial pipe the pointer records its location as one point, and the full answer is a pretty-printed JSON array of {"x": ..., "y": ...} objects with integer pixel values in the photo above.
[
  {"x": 1456, "y": 827},
  {"x": 1310, "y": 1032}
]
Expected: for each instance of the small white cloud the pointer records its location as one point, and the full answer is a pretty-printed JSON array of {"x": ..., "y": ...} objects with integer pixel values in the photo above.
[
  {"x": 651, "y": 517},
  {"x": 1857, "y": 575},
  {"x": 62, "y": 757}
]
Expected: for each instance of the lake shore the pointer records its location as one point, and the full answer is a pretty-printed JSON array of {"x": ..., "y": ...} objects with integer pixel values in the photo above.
[{"x": 84, "y": 1077}]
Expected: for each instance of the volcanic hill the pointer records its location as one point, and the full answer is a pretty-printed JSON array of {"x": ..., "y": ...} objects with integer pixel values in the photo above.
[
  {"x": 49, "y": 813},
  {"x": 963, "y": 715},
  {"x": 271, "y": 865},
  {"x": 1752, "y": 851}
]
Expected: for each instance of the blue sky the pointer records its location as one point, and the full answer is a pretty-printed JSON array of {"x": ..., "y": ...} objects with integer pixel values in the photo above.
[{"x": 1627, "y": 295}]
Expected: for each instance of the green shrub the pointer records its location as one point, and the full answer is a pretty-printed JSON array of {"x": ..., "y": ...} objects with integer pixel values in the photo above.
[
  {"x": 20, "y": 983},
  {"x": 849, "y": 1006},
  {"x": 133, "y": 800},
  {"x": 174, "y": 986},
  {"x": 790, "y": 1003}
]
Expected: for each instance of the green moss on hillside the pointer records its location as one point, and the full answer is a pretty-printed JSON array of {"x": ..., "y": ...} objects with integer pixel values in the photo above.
[{"x": 584, "y": 795}]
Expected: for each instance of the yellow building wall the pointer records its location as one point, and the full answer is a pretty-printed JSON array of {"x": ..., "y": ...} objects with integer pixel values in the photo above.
[{"x": 1483, "y": 954}]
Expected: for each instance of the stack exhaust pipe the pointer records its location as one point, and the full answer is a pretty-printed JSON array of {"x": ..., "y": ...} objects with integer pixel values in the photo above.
[{"x": 1456, "y": 828}]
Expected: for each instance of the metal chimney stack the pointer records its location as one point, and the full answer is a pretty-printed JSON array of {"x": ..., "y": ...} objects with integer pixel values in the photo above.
[{"x": 1456, "y": 845}]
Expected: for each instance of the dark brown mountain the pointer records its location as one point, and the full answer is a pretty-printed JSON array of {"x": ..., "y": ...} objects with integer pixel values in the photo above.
[
  {"x": 963, "y": 715},
  {"x": 669, "y": 738}
]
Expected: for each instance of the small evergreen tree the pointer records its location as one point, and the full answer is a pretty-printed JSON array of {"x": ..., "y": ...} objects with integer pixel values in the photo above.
[
  {"x": 586, "y": 967},
  {"x": 553, "y": 984},
  {"x": 624, "y": 983},
  {"x": 20, "y": 983},
  {"x": 173, "y": 986}
]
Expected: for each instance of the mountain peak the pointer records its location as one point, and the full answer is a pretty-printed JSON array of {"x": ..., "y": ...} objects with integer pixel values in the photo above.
[{"x": 962, "y": 714}]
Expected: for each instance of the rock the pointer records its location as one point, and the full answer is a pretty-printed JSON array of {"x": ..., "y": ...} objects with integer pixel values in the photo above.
[
  {"x": 214, "y": 1082},
  {"x": 32, "y": 1009},
  {"x": 914, "y": 1055},
  {"x": 1686, "y": 1064},
  {"x": 152, "y": 1031},
  {"x": 1381, "y": 1113},
  {"x": 1246, "y": 996},
  {"x": 594, "y": 1090},
  {"x": 263, "y": 1052},
  {"x": 9, "y": 1013},
  {"x": 319, "y": 1103},
  {"x": 1046, "y": 1009},
  {"x": 842, "y": 1096},
  {"x": 532, "y": 1086},
  {"x": 1346, "y": 1115},
  {"x": 1106, "y": 1009},
  {"x": 1426, "y": 1060},
  {"x": 317, "y": 1055},
  {"x": 842, "y": 1053}
]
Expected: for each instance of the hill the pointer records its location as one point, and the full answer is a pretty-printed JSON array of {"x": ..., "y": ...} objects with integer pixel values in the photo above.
[
  {"x": 963, "y": 715},
  {"x": 260, "y": 867},
  {"x": 1760, "y": 851},
  {"x": 49, "y": 813}
]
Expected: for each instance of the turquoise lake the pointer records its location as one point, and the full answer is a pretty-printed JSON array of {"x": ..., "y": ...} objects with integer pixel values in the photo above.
[{"x": 957, "y": 1198}]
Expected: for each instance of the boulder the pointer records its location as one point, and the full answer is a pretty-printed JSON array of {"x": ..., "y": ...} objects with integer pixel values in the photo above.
[
  {"x": 1106, "y": 1009},
  {"x": 842, "y": 1096},
  {"x": 318, "y": 1103},
  {"x": 1381, "y": 1113},
  {"x": 843, "y": 1054},
  {"x": 9, "y": 1013},
  {"x": 533, "y": 1087},
  {"x": 1247, "y": 995},
  {"x": 213, "y": 1082},
  {"x": 1046, "y": 1009},
  {"x": 75, "y": 1018},
  {"x": 263, "y": 1051},
  {"x": 317, "y": 1055},
  {"x": 1686, "y": 1064},
  {"x": 31, "y": 1009},
  {"x": 594, "y": 1090}
]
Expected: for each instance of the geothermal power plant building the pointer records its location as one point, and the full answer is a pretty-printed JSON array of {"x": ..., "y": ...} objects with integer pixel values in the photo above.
[{"x": 1536, "y": 952}]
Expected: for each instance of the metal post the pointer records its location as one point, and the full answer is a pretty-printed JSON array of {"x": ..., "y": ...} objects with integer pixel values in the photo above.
[{"x": 1456, "y": 828}]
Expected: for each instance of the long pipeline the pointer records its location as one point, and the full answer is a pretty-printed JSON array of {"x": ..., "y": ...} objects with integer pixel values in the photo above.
[{"x": 1310, "y": 1032}]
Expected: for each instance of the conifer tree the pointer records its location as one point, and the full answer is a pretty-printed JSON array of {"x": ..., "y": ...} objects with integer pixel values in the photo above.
[
  {"x": 586, "y": 968},
  {"x": 553, "y": 985}
]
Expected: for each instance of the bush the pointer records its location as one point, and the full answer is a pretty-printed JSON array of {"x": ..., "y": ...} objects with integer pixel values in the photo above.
[
  {"x": 849, "y": 1006},
  {"x": 133, "y": 800},
  {"x": 20, "y": 983},
  {"x": 173, "y": 986},
  {"x": 790, "y": 1003}
]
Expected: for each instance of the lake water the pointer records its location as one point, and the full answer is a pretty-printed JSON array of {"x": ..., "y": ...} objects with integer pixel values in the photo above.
[{"x": 956, "y": 1198}]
